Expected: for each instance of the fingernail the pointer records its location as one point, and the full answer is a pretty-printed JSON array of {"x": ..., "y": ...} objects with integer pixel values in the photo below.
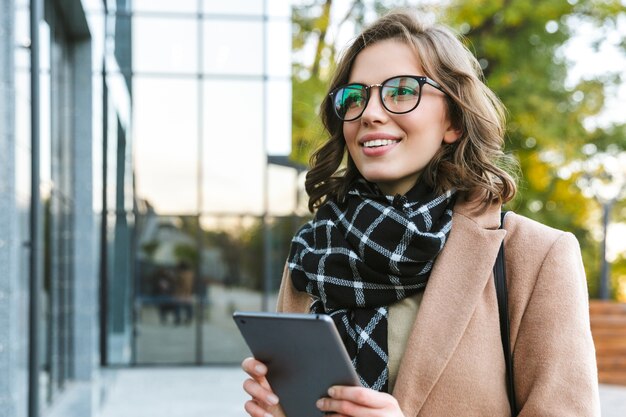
[
  {"x": 272, "y": 399},
  {"x": 331, "y": 391},
  {"x": 260, "y": 369},
  {"x": 319, "y": 403}
]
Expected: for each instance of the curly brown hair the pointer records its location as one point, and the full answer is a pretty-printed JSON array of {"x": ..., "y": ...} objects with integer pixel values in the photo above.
[{"x": 475, "y": 162}]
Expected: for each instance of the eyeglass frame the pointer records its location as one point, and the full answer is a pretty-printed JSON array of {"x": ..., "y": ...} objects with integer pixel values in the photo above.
[{"x": 421, "y": 80}]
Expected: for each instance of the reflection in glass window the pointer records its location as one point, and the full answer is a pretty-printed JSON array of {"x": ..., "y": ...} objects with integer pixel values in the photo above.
[
  {"x": 279, "y": 8},
  {"x": 232, "y": 267},
  {"x": 165, "y": 45},
  {"x": 233, "y": 47},
  {"x": 217, "y": 256},
  {"x": 57, "y": 193},
  {"x": 278, "y": 41},
  {"x": 283, "y": 189},
  {"x": 279, "y": 117},
  {"x": 178, "y": 6},
  {"x": 119, "y": 268},
  {"x": 167, "y": 304},
  {"x": 166, "y": 135},
  {"x": 233, "y": 146},
  {"x": 240, "y": 7}
]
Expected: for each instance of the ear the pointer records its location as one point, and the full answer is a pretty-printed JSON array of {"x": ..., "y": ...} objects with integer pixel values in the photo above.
[{"x": 451, "y": 135}]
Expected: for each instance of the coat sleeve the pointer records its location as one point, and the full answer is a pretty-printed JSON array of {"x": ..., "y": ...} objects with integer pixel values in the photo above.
[
  {"x": 553, "y": 354},
  {"x": 291, "y": 300}
]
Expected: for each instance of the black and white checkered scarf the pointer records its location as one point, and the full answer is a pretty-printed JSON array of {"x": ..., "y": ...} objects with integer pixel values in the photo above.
[{"x": 357, "y": 257}]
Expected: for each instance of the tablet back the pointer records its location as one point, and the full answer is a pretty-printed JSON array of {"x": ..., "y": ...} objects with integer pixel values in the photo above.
[{"x": 304, "y": 355}]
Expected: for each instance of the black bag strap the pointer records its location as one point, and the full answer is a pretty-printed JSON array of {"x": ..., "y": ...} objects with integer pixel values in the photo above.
[{"x": 499, "y": 273}]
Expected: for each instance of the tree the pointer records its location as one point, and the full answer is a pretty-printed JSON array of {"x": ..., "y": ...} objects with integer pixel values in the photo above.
[{"x": 519, "y": 44}]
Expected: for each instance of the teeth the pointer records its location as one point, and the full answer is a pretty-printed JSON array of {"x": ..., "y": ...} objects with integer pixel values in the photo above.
[{"x": 378, "y": 142}]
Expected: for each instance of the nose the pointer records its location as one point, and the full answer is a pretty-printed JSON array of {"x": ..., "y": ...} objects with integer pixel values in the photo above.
[{"x": 374, "y": 112}]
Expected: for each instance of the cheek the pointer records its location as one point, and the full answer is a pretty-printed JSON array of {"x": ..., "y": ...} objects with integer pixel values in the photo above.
[
  {"x": 349, "y": 131},
  {"x": 431, "y": 122}
]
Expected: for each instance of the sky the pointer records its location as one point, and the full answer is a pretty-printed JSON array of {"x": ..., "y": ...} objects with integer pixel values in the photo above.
[{"x": 588, "y": 62}]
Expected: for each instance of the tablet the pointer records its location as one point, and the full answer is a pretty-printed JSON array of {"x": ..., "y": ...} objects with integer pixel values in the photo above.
[{"x": 304, "y": 355}]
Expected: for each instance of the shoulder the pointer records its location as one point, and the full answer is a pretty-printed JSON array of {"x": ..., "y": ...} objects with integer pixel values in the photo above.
[
  {"x": 522, "y": 227},
  {"x": 531, "y": 239},
  {"x": 542, "y": 263},
  {"x": 534, "y": 239}
]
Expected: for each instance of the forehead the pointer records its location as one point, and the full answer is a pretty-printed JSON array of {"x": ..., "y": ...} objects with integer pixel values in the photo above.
[{"x": 384, "y": 60}]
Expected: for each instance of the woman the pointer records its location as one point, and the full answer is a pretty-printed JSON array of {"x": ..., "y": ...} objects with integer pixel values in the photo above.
[{"x": 402, "y": 247}]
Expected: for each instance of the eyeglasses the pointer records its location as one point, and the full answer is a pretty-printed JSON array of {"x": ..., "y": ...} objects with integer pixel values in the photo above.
[{"x": 400, "y": 94}]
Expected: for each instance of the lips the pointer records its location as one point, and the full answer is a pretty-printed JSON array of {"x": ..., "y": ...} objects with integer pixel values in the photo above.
[
  {"x": 377, "y": 144},
  {"x": 376, "y": 140}
]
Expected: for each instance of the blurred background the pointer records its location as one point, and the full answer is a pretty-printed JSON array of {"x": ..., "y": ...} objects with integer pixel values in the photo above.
[{"x": 152, "y": 161}]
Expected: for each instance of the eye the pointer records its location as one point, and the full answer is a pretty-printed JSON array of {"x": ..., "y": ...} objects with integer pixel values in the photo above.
[
  {"x": 351, "y": 99},
  {"x": 404, "y": 91},
  {"x": 397, "y": 94},
  {"x": 400, "y": 89}
]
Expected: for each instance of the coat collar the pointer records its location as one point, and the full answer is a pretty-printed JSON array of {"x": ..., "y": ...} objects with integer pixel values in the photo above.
[{"x": 456, "y": 283}]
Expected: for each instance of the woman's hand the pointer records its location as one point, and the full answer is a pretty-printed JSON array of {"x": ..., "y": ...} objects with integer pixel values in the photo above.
[
  {"x": 346, "y": 401},
  {"x": 264, "y": 402}
]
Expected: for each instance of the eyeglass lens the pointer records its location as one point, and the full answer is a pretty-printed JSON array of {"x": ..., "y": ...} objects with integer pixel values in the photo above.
[{"x": 398, "y": 95}]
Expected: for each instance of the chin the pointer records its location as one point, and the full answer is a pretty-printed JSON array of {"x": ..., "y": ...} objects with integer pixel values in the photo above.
[
  {"x": 378, "y": 180},
  {"x": 378, "y": 176},
  {"x": 382, "y": 178}
]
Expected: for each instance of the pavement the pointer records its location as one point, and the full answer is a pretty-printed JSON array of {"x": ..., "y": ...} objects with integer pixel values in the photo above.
[
  {"x": 216, "y": 392},
  {"x": 173, "y": 392}
]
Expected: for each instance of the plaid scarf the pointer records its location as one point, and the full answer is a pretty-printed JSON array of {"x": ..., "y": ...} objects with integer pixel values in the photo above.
[{"x": 358, "y": 256}]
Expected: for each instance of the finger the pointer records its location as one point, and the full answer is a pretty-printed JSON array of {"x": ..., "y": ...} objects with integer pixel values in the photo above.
[
  {"x": 255, "y": 410},
  {"x": 254, "y": 367},
  {"x": 256, "y": 370},
  {"x": 334, "y": 415},
  {"x": 362, "y": 396},
  {"x": 343, "y": 408},
  {"x": 260, "y": 393}
]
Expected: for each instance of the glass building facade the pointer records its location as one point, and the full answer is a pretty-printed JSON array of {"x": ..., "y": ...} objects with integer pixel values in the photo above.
[
  {"x": 145, "y": 192},
  {"x": 211, "y": 85}
]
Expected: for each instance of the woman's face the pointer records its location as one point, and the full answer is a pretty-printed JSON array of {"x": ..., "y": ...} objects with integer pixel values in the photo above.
[{"x": 392, "y": 149}]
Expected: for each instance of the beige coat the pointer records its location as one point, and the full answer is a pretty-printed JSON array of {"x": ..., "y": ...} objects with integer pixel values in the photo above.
[{"x": 454, "y": 363}]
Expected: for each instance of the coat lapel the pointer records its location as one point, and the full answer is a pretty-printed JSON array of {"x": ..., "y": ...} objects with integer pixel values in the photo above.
[{"x": 454, "y": 288}]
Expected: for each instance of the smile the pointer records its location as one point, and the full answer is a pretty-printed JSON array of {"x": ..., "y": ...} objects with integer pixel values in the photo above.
[{"x": 379, "y": 142}]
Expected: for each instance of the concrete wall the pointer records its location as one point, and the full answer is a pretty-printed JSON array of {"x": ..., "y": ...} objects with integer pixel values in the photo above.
[
  {"x": 80, "y": 396},
  {"x": 13, "y": 291}
]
